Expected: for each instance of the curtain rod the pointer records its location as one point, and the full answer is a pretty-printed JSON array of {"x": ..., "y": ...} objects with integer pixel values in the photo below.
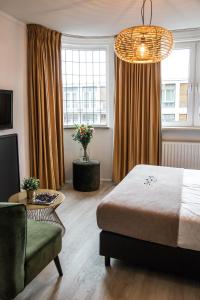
[{"x": 88, "y": 37}]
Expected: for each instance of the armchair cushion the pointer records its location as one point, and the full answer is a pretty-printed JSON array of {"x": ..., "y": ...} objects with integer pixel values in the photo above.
[{"x": 44, "y": 242}]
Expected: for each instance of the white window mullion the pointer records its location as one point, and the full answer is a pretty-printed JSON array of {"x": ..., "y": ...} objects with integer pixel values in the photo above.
[
  {"x": 197, "y": 88},
  {"x": 191, "y": 90}
]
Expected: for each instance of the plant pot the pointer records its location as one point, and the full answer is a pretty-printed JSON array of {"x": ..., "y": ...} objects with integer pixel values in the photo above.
[{"x": 30, "y": 196}]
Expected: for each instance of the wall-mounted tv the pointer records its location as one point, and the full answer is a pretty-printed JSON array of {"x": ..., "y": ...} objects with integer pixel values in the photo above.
[{"x": 6, "y": 109}]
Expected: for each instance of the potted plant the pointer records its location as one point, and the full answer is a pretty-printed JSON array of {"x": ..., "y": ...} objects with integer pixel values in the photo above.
[
  {"x": 83, "y": 134},
  {"x": 30, "y": 184}
]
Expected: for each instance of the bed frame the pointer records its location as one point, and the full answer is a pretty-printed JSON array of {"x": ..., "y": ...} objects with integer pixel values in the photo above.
[{"x": 149, "y": 255}]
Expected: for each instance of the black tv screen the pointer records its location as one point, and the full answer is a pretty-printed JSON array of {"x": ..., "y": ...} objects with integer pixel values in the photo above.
[
  {"x": 9, "y": 167},
  {"x": 6, "y": 109}
]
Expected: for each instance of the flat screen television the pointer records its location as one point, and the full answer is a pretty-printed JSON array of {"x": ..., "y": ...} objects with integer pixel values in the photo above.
[
  {"x": 9, "y": 167},
  {"x": 6, "y": 109}
]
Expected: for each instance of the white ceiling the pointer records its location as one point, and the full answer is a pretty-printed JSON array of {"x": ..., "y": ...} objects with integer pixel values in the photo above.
[{"x": 102, "y": 17}]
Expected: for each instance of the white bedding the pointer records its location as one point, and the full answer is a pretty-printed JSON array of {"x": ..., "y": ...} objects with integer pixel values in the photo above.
[{"x": 189, "y": 222}]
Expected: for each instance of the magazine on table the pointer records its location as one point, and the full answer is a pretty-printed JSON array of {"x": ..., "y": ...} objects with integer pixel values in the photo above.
[{"x": 45, "y": 198}]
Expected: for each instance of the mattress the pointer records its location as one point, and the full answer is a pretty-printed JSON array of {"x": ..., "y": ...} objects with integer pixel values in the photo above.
[
  {"x": 189, "y": 221},
  {"x": 173, "y": 218}
]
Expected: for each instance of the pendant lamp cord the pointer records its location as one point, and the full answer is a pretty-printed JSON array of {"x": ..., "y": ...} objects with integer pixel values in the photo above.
[{"x": 142, "y": 11}]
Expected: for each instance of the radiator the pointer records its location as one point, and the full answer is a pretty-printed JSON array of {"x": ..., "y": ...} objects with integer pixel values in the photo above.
[{"x": 181, "y": 154}]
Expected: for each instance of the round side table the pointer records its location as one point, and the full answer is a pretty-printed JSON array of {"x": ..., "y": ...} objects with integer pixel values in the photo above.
[
  {"x": 86, "y": 175},
  {"x": 45, "y": 213}
]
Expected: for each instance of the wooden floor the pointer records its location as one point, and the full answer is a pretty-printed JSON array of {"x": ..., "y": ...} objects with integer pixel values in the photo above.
[{"x": 85, "y": 277}]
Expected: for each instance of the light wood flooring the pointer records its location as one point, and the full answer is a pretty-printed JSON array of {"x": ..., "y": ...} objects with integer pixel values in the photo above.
[{"x": 85, "y": 277}]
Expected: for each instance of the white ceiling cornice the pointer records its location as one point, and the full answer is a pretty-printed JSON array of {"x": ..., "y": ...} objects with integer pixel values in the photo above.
[{"x": 186, "y": 35}]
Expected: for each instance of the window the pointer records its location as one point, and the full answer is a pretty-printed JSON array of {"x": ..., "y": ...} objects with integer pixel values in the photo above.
[
  {"x": 168, "y": 117},
  {"x": 85, "y": 90},
  {"x": 180, "y": 97},
  {"x": 168, "y": 95}
]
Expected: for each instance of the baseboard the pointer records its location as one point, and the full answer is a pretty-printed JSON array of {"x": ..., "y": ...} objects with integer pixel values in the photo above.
[
  {"x": 69, "y": 181},
  {"x": 106, "y": 179}
]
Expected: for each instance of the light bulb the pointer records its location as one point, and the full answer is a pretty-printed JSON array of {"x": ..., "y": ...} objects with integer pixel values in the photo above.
[{"x": 142, "y": 51}]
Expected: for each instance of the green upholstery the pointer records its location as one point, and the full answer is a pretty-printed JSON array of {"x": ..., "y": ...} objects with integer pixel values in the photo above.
[
  {"x": 43, "y": 244},
  {"x": 26, "y": 247},
  {"x": 12, "y": 249}
]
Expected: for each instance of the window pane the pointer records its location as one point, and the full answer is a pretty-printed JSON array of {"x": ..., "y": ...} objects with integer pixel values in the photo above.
[
  {"x": 89, "y": 69},
  {"x": 83, "y": 69},
  {"x": 176, "y": 66},
  {"x": 82, "y": 56},
  {"x": 75, "y": 56},
  {"x": 102, "y": 93},
  {"x": 175, "y": 83},
  {"x": 96, "y": 56},
  {"x": 103, "y": 106},
  {"x": 69, "y": 68},
  {"x": 75, "y": 68},
  {"x": 96, "y": 68},
  {"x": 64, "y": 80},
  {"x": 84, "y": 86},
  {"x": 183, "y": 117},
  {"x": 168, "y": 117},
  {"x": 89, "y": 80},
  {"x": 102, "y": 55},
  {"x": 89, "y": 56},
  {"x": 75, "y": 79},
  {"x": 69, "y": 80},
  {"x": 68, "y": 55},
  {"x": 184, "y": 94},
  {"x": 102, "y": 69},
  {"x": 103, "y": 119}
]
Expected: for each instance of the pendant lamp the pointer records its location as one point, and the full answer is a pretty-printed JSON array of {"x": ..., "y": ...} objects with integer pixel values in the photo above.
[{"x": 145, "y": 43}]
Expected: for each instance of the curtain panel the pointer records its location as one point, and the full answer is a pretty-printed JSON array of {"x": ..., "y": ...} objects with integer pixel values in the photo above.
[
  {"x": 45, "y": 106},
  {"x": 137, "y": 116}
]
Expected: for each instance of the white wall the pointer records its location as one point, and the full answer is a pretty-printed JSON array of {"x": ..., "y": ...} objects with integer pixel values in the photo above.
[
  {"x": 13, "y": 77},
  {"x": 101, "y": 146}
]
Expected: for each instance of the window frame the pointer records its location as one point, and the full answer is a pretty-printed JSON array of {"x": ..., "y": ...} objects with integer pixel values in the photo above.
[
  {"x": 197, "y": 87},
  {"x": 193, "y": 100},
  {"x": 98, "y": 44}
]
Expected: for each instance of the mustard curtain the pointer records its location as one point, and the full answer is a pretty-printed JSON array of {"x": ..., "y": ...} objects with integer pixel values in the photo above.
[
  {"x": 137, "y": 116},
  {"x": 45, "y": 106}
]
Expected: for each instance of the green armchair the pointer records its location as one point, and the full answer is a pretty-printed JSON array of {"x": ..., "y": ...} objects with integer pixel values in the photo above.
[{"x": 26, "y": 248}]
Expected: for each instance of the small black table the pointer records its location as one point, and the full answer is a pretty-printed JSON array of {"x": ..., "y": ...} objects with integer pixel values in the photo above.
[{"x": 86, "y": 175}]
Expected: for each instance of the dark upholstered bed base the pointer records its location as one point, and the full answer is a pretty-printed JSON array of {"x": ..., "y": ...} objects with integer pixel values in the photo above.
[{"x": 149, "y": 255}]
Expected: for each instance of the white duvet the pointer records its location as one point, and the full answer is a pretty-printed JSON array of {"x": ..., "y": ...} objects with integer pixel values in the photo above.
[{"x": 189, "y": 222}]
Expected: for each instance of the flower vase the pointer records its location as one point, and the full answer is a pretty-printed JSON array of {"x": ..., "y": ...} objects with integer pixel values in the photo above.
[
  {"x": 85, "y": 157},
  {"x": 30, "y": 196}
]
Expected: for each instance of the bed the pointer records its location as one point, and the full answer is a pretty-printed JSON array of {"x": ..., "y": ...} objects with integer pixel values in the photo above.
[{"x": 152, "y": 218}]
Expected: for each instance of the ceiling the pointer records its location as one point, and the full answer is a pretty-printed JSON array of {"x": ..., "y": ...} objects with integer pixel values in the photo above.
[{"x": 102, "y": 17}]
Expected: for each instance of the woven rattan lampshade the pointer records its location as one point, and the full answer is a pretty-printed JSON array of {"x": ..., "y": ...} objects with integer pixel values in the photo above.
[{"x": 145, "y": 43}]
